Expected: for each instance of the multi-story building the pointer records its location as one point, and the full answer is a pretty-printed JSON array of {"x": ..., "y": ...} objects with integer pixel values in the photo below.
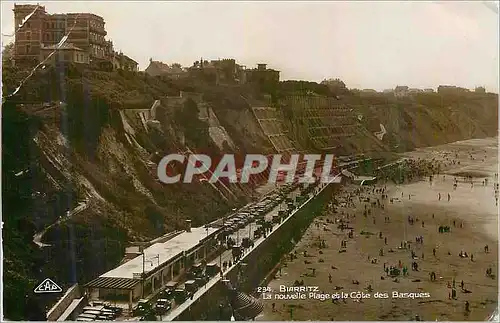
[
  {"x": 28, "y": 34},
  {"x": 36, "y": 30}
]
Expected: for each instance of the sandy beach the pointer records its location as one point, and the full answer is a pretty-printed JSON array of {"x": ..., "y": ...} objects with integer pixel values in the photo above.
[{"x": 378, "y": 241}]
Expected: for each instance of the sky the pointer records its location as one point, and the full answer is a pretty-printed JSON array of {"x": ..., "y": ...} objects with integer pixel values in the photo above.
[{"x": 369, "y": 45}]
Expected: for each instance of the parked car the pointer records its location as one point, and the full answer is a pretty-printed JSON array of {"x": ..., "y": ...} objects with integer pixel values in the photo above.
[
  {"x": 212, "y": 269},
  {"x": 201, "y": 280},
  {"x": 191, "y": 286},
  {"x": 163, "y": 306},
  {"x": 169, "y": 290},
  {"x": 142, "y": 304},
  {"x": 180, "y": 294}
]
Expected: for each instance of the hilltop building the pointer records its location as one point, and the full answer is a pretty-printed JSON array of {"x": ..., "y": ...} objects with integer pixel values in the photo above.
[
  {"x": 123, "y": 62},
  {"x": 415, "y": 90},
  {"x": 37, "y": 34},
  {"x": 480, "y": 89},
  {"x": 217, "y": 72},
  {"x": 451, "y": 89},
  {"x": 262, "y": 75},
  {"x": 157, "y": 68},
  {"x": 221, "y": 71},
  {"x": 67, "y": 53}
]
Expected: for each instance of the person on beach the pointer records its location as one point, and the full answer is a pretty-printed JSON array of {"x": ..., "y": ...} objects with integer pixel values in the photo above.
[
  {"x": 449, "y": 197},
  {"x": 434, "y": 252},
  {"x": 439, "y": 196}
]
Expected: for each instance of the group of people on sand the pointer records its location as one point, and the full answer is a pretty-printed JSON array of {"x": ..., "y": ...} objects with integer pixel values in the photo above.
[
  {"x": 410, "y": 169},
  {"x": 419, "y": 168},
  {"x": 439, "y": 197}
]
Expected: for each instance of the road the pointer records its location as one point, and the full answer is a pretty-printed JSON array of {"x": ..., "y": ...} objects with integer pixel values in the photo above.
[{"x": 37, "y": 238}]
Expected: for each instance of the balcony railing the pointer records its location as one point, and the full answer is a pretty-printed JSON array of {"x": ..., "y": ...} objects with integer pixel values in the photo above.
[{"x": 98, "y": 30}]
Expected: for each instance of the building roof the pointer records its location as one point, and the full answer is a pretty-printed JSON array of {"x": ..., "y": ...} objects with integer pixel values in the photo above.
[
  {"x": 166, "y": 251},
  {"x": 121, "y": 56},
  {"x": 64, "y": 46},
  {"x": 113, "y": 283}
]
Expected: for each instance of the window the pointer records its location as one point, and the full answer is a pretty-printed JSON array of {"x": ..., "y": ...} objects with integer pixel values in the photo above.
[
  {"x": 52, "y": 25},
  {"x": 67, "y": 57},
  {"x": 28, "y": 35},
  {"x": 28, "y": 49},
  {"x": 28, "y": 24}
]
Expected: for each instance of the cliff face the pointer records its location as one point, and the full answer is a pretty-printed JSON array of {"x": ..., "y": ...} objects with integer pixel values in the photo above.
[{"x": 80, "y": 172}]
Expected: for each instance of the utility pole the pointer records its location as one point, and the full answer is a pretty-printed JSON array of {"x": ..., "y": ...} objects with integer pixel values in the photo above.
[
  {"x": 143, "y": 270},
  {"x": 250, "y": 231},
  {"x": 222, "y": 243}
]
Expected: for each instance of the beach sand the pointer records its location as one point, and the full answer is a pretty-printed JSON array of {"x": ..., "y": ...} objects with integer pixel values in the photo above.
[{"x": 474, "y": 207}]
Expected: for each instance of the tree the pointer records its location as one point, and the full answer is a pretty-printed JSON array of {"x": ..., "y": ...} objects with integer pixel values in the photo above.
[
  {"x": 176, "y": 65},
  {"x": 336, "y": 86},
  {"x": 8, "y": 53}
]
